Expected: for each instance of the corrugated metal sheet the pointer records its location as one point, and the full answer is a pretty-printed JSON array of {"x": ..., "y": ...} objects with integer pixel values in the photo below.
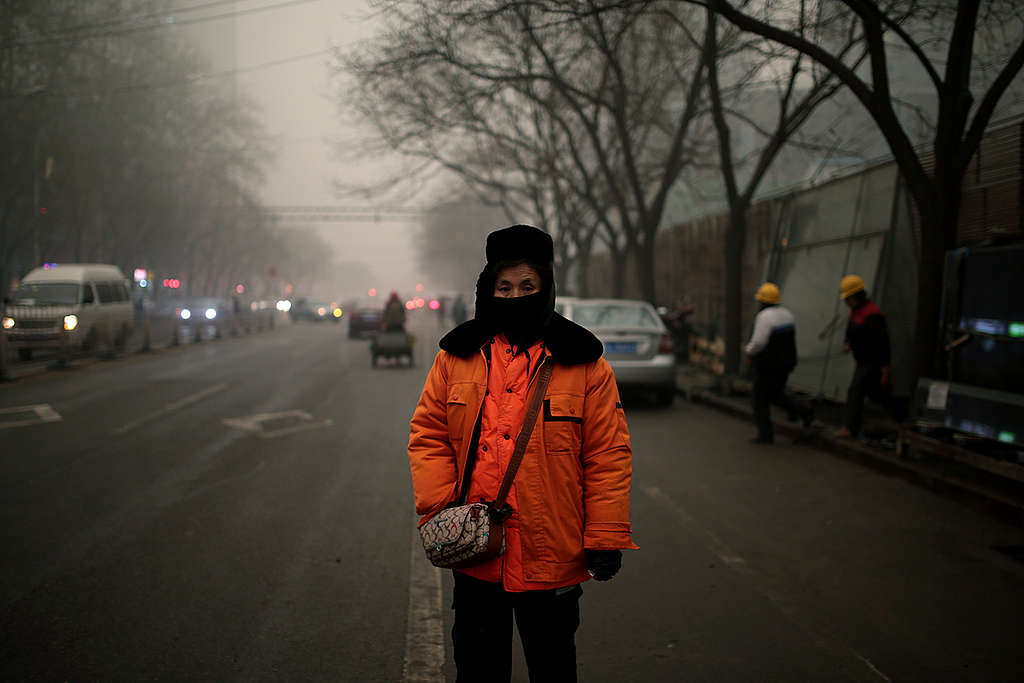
[{"x": 991, "y": 196}]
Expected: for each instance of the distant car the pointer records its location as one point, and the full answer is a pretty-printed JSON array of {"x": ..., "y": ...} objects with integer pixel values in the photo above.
[
  {"x": 302, "y": 309},
  {"x": 363, "y": 322},
  {"x": 169, "y": 307},
  {"x": 325, "y": 311},
  {"x": 209, "y": 313},
  {"x": 315, "y": 311},
  {"x": 637, "y": 344}
]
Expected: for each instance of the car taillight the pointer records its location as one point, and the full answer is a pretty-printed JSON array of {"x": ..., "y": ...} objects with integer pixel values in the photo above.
[{"x": 666, "y": 345}]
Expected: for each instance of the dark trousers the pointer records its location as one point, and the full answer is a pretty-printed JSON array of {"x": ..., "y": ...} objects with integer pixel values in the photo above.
[
  {"x": 769, "y": 388},
  {"x": 482, "y": 634},
  {"x": 867, "y": 383}
]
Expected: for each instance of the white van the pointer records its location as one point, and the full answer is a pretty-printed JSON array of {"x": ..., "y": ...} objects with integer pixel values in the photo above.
[{"x": 71, "y": 306}]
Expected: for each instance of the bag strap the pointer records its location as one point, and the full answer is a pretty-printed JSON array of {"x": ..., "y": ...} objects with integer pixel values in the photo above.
[{"x": 544, "y": 374}]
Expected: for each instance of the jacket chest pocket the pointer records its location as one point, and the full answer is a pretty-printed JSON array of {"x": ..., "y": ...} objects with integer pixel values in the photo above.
[
  {"x": 460, "y": 397},
  {"x": 563, "y": 424}
]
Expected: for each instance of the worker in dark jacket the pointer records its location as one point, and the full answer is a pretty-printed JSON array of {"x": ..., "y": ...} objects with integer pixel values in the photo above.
[
  {"x": 772, "y": 351},
  {"x": 393, "y": 319},
  {"x": 867, "y": 337}
]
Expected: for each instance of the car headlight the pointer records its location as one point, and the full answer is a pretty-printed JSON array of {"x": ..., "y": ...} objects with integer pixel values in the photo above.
[
  {"x": 185, "y": 314},
  {"x": 8, "y": 323},
  {"x": 337, "y": 312},
  {"x": 211, "y": 313},
  {"x": 70, "y": 322}
]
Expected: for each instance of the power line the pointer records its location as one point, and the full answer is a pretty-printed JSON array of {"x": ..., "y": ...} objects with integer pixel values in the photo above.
[
  {"x": 219, "y": 74},
  {"x": 164, "y": 24},
  {"x": 121, "y": 21},
  {"x": 135, "y": 87}
]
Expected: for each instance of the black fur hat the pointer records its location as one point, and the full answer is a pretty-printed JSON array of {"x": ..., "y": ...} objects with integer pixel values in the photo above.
[{"x": 521, "y": 243}]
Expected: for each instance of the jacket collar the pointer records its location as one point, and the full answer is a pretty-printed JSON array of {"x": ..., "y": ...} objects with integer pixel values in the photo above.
[
  {"x": 568, "y": 343},
  {"x": 867, "y": 309}
]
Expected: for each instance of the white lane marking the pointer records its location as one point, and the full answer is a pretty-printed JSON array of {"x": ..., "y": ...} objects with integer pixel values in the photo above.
[
  {"x": 254, "y": 423},
  {"x": 43, "y": 413},
  {"x": 736, "y": 562},
  {"x": 870, "y": 665},
  {"x": 424, "y": 632},
  {"x": 171, "y": 407},
  {"x": 298, "y": 428}
]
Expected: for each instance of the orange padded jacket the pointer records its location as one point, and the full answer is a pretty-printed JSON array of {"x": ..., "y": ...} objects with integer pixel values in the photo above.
[{"x": 572, "y": 489}]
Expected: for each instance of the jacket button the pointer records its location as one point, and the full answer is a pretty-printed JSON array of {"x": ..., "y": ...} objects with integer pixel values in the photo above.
[
  {"x": 484, "y": 448},
  {"x": 509, "y": 390},
  {"x": 507, "y": 437}
]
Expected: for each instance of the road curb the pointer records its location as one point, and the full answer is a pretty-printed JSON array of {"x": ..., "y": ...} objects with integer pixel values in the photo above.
[{"x": 1005, "y": 507}]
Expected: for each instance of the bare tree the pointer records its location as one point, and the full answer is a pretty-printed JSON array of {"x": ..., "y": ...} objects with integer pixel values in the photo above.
[
  {"x": 796, "y": 89},
  {"x": 942, "y": 37},
  {"x": 136, "y": 160},
  {"x": 615, "y": 107}
]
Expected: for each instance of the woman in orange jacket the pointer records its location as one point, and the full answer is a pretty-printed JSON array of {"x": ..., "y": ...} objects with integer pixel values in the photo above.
[{"x": 570, "y": 497}]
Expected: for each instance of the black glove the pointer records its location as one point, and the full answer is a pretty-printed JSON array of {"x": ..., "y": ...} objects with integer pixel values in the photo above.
[{"x": 604, "y": 564}]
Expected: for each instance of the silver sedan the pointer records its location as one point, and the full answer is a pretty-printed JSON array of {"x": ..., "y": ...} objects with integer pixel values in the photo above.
[{"x": 637, "y": 344}]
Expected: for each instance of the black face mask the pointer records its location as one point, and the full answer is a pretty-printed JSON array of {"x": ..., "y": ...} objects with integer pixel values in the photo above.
[{"x": 521, "y": 318}]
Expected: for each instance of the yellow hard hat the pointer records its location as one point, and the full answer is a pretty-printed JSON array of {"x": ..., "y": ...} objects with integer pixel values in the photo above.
[
  {"x": 768, "y": 293},
  {"x": 849, "y": 285}
]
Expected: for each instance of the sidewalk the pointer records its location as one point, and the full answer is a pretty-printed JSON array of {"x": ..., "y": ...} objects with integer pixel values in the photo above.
[{"x": 877, "y": 447}]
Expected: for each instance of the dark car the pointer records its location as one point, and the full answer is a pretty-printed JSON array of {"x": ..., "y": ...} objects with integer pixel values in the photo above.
[
  {"x": 301, "y": 310},
  {"x": 315, "y": 311},
  {"x": 196, "y": 317},
  {"x": 363, "y": 322},
  {"x": 326, "y": 311}
]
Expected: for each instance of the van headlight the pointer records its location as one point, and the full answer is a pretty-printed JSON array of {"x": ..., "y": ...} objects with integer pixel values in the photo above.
[
  {"x": 70, "y": 322},
  {"x": 8, "y": 323},
  {"x": 185, "y": 314},
  {"x": 211, "y": 313}
]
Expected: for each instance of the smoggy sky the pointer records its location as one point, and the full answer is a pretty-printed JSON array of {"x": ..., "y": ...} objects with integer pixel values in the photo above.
[{"x": 297, "y": 104}]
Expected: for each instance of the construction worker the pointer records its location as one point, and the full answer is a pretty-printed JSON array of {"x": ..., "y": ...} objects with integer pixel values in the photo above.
[
  {"x": 868, "y": 338},
  {"x": 772, "y": 351}
]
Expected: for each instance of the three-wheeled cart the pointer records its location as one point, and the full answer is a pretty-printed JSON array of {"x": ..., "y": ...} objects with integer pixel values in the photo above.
[{"x": 392, "y": 345}]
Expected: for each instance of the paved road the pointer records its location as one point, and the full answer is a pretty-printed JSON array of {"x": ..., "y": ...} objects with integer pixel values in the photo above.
[{"x": 241, "y": 510}]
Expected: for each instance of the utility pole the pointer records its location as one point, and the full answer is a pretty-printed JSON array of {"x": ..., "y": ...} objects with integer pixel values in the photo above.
[
  {"x": 38, "y": 175},
  {"x": 36, "y": 209}
]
